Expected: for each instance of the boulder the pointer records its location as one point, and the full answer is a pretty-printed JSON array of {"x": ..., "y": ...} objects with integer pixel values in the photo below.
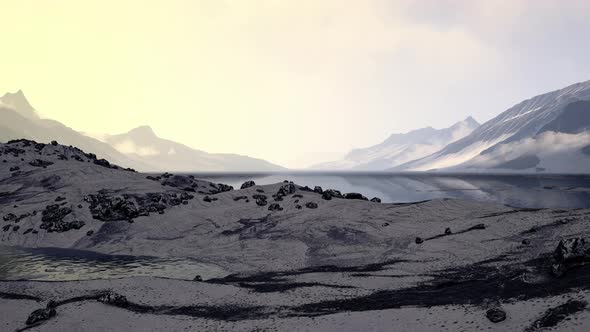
[
  {"x": 287, "y": 189},
  {"x": 355, "y": 196},
  {"x": 331, "y": 193},
  {"x": 311, "y": 205},
  {"x": 376, "y": 200},
  {"x": 248, "y": 184},
  {"x": 496, "y": 315},
  {"x": 448, "y": 231},
  {"x": 318, "y": 189},
  {"x": 40, "y": 315},
  {"x": 275, "y": 207}
]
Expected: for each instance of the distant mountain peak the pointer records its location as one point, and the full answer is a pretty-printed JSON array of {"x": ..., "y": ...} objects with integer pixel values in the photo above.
[
  {"x": 471, "y": 121},
  {"x": 19, "y": 102},
  {"x": 142, "y": 132}
]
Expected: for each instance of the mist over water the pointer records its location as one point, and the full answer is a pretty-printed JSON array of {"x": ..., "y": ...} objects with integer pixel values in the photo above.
[{"x": 527, "y": 191}]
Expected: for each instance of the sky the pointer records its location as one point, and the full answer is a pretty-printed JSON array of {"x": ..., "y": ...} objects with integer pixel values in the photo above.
[{"x": 295, "y": 82}]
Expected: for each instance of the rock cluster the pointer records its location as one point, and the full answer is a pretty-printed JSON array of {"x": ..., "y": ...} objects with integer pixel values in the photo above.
[
  {"x": 53, "y": 216},
  {"x": 260, "y": 199},
  {"x": 248, "y": 184},
  {"x": 570, "y": 253},
  {"x": 275, "y": 207},
  {"x": 355, "y": 196},
  {"x": 331, "y": 193}
]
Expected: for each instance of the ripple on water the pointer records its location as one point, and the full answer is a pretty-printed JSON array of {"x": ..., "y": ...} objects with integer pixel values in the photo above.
[{"x": 54, "y": 264}]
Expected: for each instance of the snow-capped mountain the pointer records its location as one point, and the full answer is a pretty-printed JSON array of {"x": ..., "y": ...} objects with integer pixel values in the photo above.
[
  {"x": 140, "y": 149},
  {"x": 142, "y": 144},
  {"x": 401, "y": 148},
  {"x": 549, "y": 132}
]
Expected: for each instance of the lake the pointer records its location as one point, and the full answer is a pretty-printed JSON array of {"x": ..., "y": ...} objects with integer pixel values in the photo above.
[
  {"x": 528, "y": 191},
  {"x": 55, "y": 264}
]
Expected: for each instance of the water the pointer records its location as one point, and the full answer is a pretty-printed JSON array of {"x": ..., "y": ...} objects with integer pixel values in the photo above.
[
  {"x": 54, "y": 264},
  {"x": 529, "y": 191}
]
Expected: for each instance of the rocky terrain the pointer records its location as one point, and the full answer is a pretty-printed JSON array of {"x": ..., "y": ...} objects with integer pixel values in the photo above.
[{"x": 294, "y": 258}]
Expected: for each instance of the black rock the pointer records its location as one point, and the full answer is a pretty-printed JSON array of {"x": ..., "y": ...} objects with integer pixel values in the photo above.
[
  {"x": 297, "y": 196},
  {"x": 275, "y": 207},
  {"x": 287, "y": 189},
  {"x": 40, "y": 163},
  {"x": 496, "y": 315},
  {"x": 209, "y": 199},
  {"x": 54, "y": 143},
  {"x": 298, "y": 207},
  {"x": 9, "y": 217},
  {"x": 247, "y": 184},
  {"x": 40, "y": 315},
  {"x": 15, "y": 168},
  {"x": 198, "y": 278},
  {"x": 113, "y": 299},
  {"x": 102, "y": 162},
  {"x": 448, "y": 231},
  {"x": 240, "y": 198},
  {"x": 318, "y": 189},
  {"x": 60, "y": 198},
  {"x": 376, "y": 200},
  {"x": 419, "y": 240},
  {"x": 570, "y": 253},
  {"x": 311, "y": 205},
  {"x": 89, "y": 233},
  {"x": 355, "y": 196},
  {"x": 27, "y": 231},
  {"x": 331, "y": 193},
  {"x": 260, "y": 190}
]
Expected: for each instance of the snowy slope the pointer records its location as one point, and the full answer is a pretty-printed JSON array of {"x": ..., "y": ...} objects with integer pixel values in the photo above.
[
  {"x": 402, "y": 148},
  {"x": 554, "y": 123}
]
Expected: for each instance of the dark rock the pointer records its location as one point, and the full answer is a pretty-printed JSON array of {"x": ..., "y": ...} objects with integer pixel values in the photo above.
[
  {"x": 60, "y": 198},
  {"x": 275, "y": 207},
  {"x": 247, "y": 184},
  {"x": 198, "y": 278},
  {"x": 331, "y": 193},
  {"x": 15, "y": 228},
  {"x": 40, "y": 163},
  {"x": 260, "y": 200},
  {"x": 419, "y": 240},
  {"x": 6, "y": 228},
  {"x": 112, "y": 208},
  {"x": 51, "y": 304},
  {"x": 89, "y": 233},
  {"x": 318, "y": 189},
  {"x": 570, "y": 253},
  {"x": 306, "y": 188},
  {"x": 298, "y": 207},
  {"x": 526, "y": 242},
  {"x": 54, "y": 143},
  {"x": 102, "y": 162},
  {"x": 80, "y": 206},
  {"x": 479, "y": 226},
  {"x": 297, "y": 196},
  {"x": 260, "y": 190},
  {"x": 385, "y": 224},
  {"x": 40, "y": 315},
  {"x": 311, "y": 205},
  {"x": 376, "y": 200},
  {"x": 113, "y": 299},
  {"x": 240, "y": 198},
  {"x": 355, "y": 196},
  {"x": 496, "y": 315},
  {"x": 209, "y": 199},
  {"x": 27, "y": 231},
  {"x": 448, "y": 231},
  {"x": 15, "y": 168},
  {"x": 287, "y": 189},
  {"x": 9, "y": 217}
]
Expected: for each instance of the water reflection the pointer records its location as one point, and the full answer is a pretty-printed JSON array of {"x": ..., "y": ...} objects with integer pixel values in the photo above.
[
  {"x": 534, "y": 191},
  {"x": 54, "y": 264}
]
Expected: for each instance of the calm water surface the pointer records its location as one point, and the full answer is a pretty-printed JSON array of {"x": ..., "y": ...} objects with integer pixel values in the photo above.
[{"x": 532, "y": 191}]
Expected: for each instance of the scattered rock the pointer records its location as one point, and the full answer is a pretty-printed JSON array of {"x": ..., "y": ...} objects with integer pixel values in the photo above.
[
  {"x": 40, "y": 163},
  {"x": 260, "y": 199},
  {"x": 376, "y": 200},
  {"x": 496, "y": 315},
  {"x": 113, "y": 299},
  {"x": 311, "y": 205},
  {"x": 15, "y": 168},
  {"x": 209, "y": 199},
  {"x": 248, "y": 184},
  {"x": 40, "y": 315},
  {"x": 287, "y": 189},
  {"x": 275, "y": 207},
  {"x": 355, "y": 196}
]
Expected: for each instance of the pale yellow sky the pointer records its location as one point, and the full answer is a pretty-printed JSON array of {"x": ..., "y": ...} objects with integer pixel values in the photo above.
[{"x": 291, "y": 81}]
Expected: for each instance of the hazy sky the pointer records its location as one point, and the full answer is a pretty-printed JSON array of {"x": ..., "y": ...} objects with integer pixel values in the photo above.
[{"x": 291, "y": 81}]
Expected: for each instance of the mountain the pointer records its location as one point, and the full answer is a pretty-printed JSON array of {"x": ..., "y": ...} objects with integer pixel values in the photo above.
[
  {"x": 549, "y": 132},
  {"x": 165, "y": 155},
  {"x": 140, "y": 149},
  {"x": 401, "y": 148},
  {"x": 18, "y": 119}
]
